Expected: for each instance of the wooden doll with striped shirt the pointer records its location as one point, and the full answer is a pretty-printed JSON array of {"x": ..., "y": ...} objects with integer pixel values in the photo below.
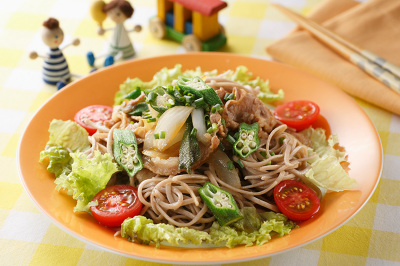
[
  {"x": 120, "y": 44},
  {"x": 55, "y": 66}
]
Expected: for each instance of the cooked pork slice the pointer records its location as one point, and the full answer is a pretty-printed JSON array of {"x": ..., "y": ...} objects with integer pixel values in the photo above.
[{"x": 249, "y": 109}]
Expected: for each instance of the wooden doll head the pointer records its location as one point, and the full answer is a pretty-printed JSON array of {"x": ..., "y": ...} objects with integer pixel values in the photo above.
[
  {"x": 52, "y": 34},
  {"x": 118, "y": 10}
]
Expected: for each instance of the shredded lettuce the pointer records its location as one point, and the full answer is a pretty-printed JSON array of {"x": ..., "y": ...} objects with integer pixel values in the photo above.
[
  {"x": 68, "y": 135},
  {"x": 166, "y": 75},
  {"x": 264, "y": 226},
  {"x": 58, "y": 158},
  {"x": 242, "y": 76},
  {"x": 143, "y": 230},
  {"x": 87, "y": 178},
  {"x": 326, "y": 171},
  {"x": 127, "y": 87}
]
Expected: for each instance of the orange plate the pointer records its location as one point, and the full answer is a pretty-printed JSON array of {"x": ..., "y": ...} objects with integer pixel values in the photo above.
[{"x": 346, "y": 119}]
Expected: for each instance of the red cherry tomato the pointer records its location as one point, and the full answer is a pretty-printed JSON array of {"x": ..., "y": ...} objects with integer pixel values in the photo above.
[
  {"x": 95, "y": 113},
  {"x": 116, "y": 203},
  {"x": 297, "y": 114},
  {"x": 296, "y": 200}
]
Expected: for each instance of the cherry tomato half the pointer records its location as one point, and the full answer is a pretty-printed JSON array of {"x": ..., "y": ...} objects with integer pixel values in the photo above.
[
  {"x": 297, "y": 114},
  {"x": 116, "y": 203},
  {"x": 296, "y": 200},
  {"x": 95, "y": 113}
]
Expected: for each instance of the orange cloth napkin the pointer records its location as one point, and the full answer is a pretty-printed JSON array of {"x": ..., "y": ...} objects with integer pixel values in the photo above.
[{"x": 373, "y": 25}]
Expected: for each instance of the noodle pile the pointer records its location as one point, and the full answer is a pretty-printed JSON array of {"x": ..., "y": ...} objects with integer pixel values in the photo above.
[{"x": 175, "y": 199}]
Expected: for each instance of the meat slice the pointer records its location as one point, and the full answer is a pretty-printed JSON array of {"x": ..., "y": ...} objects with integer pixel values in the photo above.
[{"x": 249, "y": 109}]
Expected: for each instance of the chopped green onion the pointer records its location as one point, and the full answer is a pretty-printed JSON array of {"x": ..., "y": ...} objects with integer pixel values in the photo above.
[
  {"x": 156, "y": 136},
  {"x": 263, "y": 153},
  {"x": 170, "y": 89},
  {"x": 200, "y": 103},
  {"x": 272, "y": 153},
  {"x": 240, "y": 163},
  {"x": 229, "y": 96},
  {"x": 281, "y": 140},
  {"x": 150, "y": 120},
  {"x": 188, "y": 98},
  {"x": 162, "y": 134},
  {"x": 230, "y": 165},
  {"x": 210, "y": 130},
  {"x": 216, "y": 108},
  {"x": 223, "y": 122},
  {"x": 214, "y": 126},
  {"x": 231, "y": 139}
]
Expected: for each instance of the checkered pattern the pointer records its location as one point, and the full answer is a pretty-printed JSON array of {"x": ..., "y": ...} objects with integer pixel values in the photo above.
[{"x": 372, "y": 237}]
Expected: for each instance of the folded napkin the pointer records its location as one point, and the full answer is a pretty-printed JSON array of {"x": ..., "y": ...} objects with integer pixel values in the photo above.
[{"x": 372, "y": 25}]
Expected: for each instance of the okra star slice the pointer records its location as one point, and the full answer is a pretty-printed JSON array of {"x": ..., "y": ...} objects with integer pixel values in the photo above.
[
  {"x": 126, "y": 151},
  {"x": 199, "y": 88},
  {"x": 248, "y": 140},
  {"x": 221, "y": 203}
]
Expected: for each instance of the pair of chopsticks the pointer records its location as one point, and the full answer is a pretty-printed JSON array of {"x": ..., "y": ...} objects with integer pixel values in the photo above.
[{"x": 377, "y": 67}]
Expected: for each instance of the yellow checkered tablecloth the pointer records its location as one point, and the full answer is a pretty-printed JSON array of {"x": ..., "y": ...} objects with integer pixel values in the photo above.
[{"x": 372, "y": 237}]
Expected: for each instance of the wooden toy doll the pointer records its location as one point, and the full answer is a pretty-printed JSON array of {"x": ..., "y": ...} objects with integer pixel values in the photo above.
[
  {"x": 55, "y": 66},
  {"x": 120, "y": 44}
]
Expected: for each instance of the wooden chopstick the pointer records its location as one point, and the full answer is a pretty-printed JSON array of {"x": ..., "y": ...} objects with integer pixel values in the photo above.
[{"x": 386, "y": 72}]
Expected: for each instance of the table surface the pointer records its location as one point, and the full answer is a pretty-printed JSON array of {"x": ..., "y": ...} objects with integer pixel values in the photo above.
[{"x": 371, "y": 237}]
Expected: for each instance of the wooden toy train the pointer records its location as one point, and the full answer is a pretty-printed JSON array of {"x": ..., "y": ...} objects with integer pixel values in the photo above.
[{"x": 194, "y": 23}]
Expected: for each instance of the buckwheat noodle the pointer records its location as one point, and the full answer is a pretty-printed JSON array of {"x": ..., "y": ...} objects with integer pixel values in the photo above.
[{"x": 175, "y": 199}]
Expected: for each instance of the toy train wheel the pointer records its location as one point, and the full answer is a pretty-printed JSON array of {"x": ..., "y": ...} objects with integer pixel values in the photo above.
[
  {"x": 157, "y": 28},
  {"x": 191, "y": 43},
  {"x": 222, "y": 29}
]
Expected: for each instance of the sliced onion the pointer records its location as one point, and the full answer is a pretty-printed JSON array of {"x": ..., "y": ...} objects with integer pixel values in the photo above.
[
  {"x": 200, "y": 124},
  {"x": 172, "y": 151},
  {"x": 220, "y": 162},
  {"x": 171, "y": 122}
]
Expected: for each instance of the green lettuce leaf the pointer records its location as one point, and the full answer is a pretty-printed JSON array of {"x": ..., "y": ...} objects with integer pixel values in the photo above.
[
  {"x": 87, "y": 178},
  {"x": 59, "y": 159},
  {"x": 143, "y": 230},
  {"x": 69, "y": 135},
  {"x": 242, "y": 76},
  {"x": 231, "y": 237},
  {"x": 326, "y": 170}
]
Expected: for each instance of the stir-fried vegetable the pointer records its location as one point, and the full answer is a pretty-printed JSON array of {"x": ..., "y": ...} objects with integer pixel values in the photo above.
[
  {"x": 159, "y": 99},
  {"x": 171, "y": 122},
  {"x": 189, "y": 151},
  {"x": 224, "y": 169},
  {"x": 221, "y": 204},
  {"x": 126, "y": 151},
  {"x": 134, "y": 94},
  {"x": 248, "y": 141},
  {"x": 140, "y": 109},
  {"x": 199, "y": 88},
  {"x": 200, "y": 125}
]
